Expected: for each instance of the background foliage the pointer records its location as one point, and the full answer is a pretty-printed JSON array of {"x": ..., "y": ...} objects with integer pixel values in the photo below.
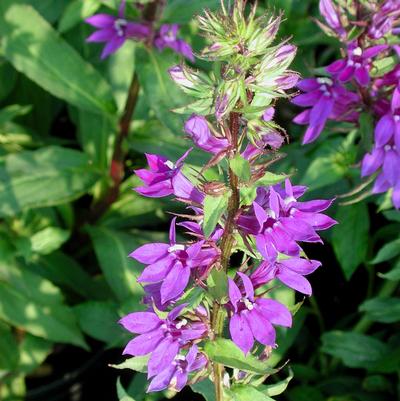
[{"x": 64, "y": 273}]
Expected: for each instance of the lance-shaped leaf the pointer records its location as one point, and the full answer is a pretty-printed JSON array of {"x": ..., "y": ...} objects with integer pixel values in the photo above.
[
  {"x": 137, "y": 363},
  {"x": 241, "y": 167},
  {"x": 249, "y": 393},
  {"x": 225, "y": 352},
  {"x": 214, "y": 208}
]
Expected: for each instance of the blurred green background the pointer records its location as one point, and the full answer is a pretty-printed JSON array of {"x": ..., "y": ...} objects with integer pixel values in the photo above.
[{"x": 65, "y": 278}]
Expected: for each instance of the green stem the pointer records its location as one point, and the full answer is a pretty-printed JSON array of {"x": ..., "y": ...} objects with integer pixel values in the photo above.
[{"x": 227, "y": 242}]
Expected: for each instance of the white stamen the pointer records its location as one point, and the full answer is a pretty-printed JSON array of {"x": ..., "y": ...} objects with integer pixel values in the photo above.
[
  {"x": 387, "y": 147},
  {"x": 249, "y": 304},
  {"x": 181, "y": 324},
  {"x": 357, "y": 65},
  {"x": 180, "y": 358},
  {"x": 396, "y": 118},
  {"x": 357, "y": 51},
  {"x": 325, "y": 81},
  {"x": 119, "y": 26},
  {"x": 176, "y": 247},
  {"x": 350, "y": 63},
  {"x": 169, "y": 164}
]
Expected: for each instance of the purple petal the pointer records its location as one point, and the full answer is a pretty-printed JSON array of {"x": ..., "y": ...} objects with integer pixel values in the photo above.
[
  {"x": 176, "y": 312},
  {"x": 295, "y": 281},
  {"x": 162, "y": 380},
  {"x": 384, "y": 130},
  {"x": 318, "y": 221},
  {"x": 156, "y": 271},
  {"x": 137, "y": 31},
  {"x": 234, "y": 293},
  {"x": 261, "y": 328},
  {"x": 241, "y": 333},
  {"x": 104, "y": 35},
  {"x": 158, "y": 190},
  {"x": 260, "y": 213},
  {"x": 179, "y": 380},
  {"x": 373, "y": 51},
  {"x": 371, "y": 162},
  {"x": 395, "y": 104},
  {"x": 321, "y": 111},
  {"x": 346, "y": 74},
  {"x": 101, "y": 21},
  {"x": 397, "y": 136},
  {"x": 150, "y": 253},
  {"x": 140, "y": 322},
  {"x": 301, "y": 266},
  {"x": 172, "y": 232},
  {"x": 275, "y": 312},
  {"x": 396, "y": 196},
  {"x": 336, "y": 66},
  {"x": 362, "y": 76},
  {"x": 312, "y": 134},
  {"x": 144, "y": 344},
  {"x": 381, "y": 184},
  {"x": 308, "y": 85},
  {"x": 314, "y": 206},
  {"x": 162, "y": 356},
  {"x": 391, "y": 168},
  {"x": 307, "y": 99},
  {"x": 303, "y": 118},
  {"x": 175, "y": 282},
  {"x": 248, "y": 286},
  {"x": 265, "y": 247},
  {"x": 112, "y": 46}
]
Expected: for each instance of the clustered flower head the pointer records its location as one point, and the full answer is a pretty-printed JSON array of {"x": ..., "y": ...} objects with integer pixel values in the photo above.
[
  {"x": 191, "y": 287},
  {"x": 114, "y": 31},
  {"x": 357, "y": 83}
]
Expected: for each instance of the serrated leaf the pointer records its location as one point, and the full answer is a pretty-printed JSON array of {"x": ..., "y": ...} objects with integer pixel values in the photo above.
[
  {"x": 225, "y": 352},
  {"x": 214, "y": 208},
  {"x": 50, "y": 61},
  {"x": 350, "y": 237},
  {"x": 137, "y": 363},
  {"x": 241, "y": 167}
]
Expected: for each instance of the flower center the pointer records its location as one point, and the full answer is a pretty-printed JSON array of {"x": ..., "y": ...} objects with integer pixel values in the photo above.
[
  {"x": 169, "y": 164},
  {"x": 120, "y": 25},
  {"x": 176, "y": 247},
  {"x": 357, "y": 51},
  {"x": 249, "y": 305}
]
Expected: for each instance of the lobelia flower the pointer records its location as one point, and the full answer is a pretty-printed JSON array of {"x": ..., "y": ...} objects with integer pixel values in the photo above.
[
  {"x": 167, "y": 37},
  {"x": 171, "y": 264},
  {"x": 198, "y": 128},
  {"x": 165, "y": 178},
  {"x": 162, "y": 338},
  {"x": 357, "y": 64},
  {"x": 332, "y": 17},
  {"x": 277, "y": 220},
  {"x": 115, "y": 30},
  {"x": 289, "y": 271},
  {"x": 384, "y": 18},
  {"x": 253, "y": 317},
  {"x": 328, "y": 99},
  {"x": 175, "y": 376}
]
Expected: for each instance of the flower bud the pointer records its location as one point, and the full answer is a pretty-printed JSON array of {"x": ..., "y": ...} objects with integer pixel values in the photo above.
[{"x": 214, "y": 188}]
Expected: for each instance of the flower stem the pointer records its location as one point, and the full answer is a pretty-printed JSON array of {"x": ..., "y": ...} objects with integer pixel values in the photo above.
[{"x": 227, "y": 242}]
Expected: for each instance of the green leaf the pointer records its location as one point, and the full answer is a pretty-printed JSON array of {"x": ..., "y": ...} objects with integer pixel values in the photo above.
[
  {"x": 217, "y": 283},
  {"x": 277, "y": 388},
  {"x": 112, "y": 249},
  {"x": 122, "y": 394},
  {"x": 182, "y": 11},
  {"x": 50, "y": 61},
  {"x": 76, "y": 12},
  {"x": 214, "y": 208},
  {"x": 45, "y": 177},
  {"x": 249, "y": 393},
  {"x": 9, "y": 353},
  {"x": 305, "y": 393},
  {"x": 383, "y": 310},
  {"x": 44, "y": 241},
  {"x": 271, "y": 179},
  {"x": 241, "y": 167},
  {"x": 205, "y": 388},
  {"x": 382, "y": 66},
  {"x": 161, "y": 93},
  {"x": 227, "y": 353},
  {"x": 13, "y": 388},
  {"x": 353, "y": 349},
  {"x": 137, "y": 363},
  {"x": 387, "y": 252},
  {"x": 54, "y": 322},
  {"x": 393, "y": 274},
  {"x": 100, "y": 321},
  {"x": 33, "y": 351},
  {"x": 350, "y": 237}
]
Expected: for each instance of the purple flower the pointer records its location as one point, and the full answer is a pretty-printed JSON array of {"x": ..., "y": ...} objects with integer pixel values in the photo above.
[
  {"x": 388, "y": 128},
  {"x": 171, "y": 264},
  {"x": 165, "y": 178},
  {"x": 115, "y": 30},
  {"x": 332, "y": 17},
  {"x": 383, "y": 20},
  {"x": 175, "y": 376},
  {"x": 289, "y": 271},
  {"x": 253, "y": 317},
  {"x": 167, "y": 37},
  {"x": 278, "y": 220},
  {"x": 357, "y": 64},
  {"x": 162, "y": 338},
  {"x": 328, "y": 99},
  {"x": 198, "y": 128}
]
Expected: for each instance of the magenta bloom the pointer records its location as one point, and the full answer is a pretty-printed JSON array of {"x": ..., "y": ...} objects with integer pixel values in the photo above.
[
  {"x": 171, "y": 264},
  {"x": 165, "y": 178},
  {"x": 327, "y": 99},
  {"x": 198, "y": 129},
  {"x": 114, "y": 31},
  {"x": 289, "y": 271},
  {"x": 278, "y": 220},
  {"x": 253, "y": 317},
  {"x": 332, "y": 17},
  {"x": 384, "y": 19},
  {"x": 162, "y": 338},
  {"x": 175, "y": 376},
  {"x": 357, "y": 64},
  {"x": 167, "y": 37}
]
